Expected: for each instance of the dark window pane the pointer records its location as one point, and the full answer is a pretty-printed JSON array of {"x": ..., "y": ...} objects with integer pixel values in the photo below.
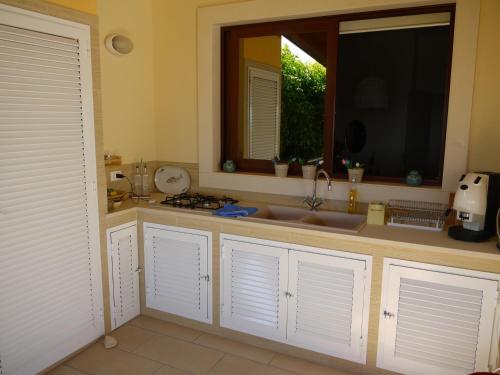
[{"x": 390, "y": 99}]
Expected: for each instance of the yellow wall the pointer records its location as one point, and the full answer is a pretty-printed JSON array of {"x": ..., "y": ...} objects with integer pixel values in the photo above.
[
  {"x": 175, "y": 91},
  {"x": 484, "y": 151},
  {"x": 264, "y": 49},
  {"x": 174, "y": 25},
  {"x": 128, "y": 81},
  {"x": 149, "y": 96},
  {"x": 87, "y": 6}
]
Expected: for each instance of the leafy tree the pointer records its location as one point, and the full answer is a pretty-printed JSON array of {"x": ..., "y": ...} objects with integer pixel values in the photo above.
[{"x": 302, "y": 107}]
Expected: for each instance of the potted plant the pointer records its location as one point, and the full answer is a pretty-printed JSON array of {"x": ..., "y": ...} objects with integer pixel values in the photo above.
[
  {"x": 355, "y": 170},
  {"x": 281, "y": 166},
  {"x": 309, "y": 167}
]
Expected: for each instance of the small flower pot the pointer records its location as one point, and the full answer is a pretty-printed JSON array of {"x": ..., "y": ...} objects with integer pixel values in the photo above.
[
  {"x": 355, "y": 174},
  {"x": 281, "y": 169},
  {"x": 309, "y": 172}
]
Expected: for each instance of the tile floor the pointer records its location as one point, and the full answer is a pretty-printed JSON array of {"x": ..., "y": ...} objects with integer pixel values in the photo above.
[{"x": 151, "y": 346}]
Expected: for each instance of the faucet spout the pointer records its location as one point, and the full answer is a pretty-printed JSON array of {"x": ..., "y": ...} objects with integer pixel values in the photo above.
[{"x": 314, "y": 201}]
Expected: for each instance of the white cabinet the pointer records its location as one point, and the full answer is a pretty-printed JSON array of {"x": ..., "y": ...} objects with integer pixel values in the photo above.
[
  {"x": 307, "y": 297},
  {"x": 436, "y": 320},
  {"x": 178, "y": 271},
  {"x": 254, "y": 282},
  {"x": 123, "y": 273},
  {"x": 325, "y": 303}
]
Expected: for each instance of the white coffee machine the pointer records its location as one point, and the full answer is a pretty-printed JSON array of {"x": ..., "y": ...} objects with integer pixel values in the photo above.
[{"x": 477, "y": 201}]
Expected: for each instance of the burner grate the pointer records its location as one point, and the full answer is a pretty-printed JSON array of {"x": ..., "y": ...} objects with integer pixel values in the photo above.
[{"x": 200, "y": 201}]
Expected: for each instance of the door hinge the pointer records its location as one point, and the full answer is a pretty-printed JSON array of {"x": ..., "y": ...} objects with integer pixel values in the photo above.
[
  {"x": 288, "y": 294},
  {"x": 205, "y": 277},
  {"x": 138, "y": 269}
]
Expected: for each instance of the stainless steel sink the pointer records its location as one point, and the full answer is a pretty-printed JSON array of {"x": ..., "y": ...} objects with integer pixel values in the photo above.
[{"x": 302, "y": 217}]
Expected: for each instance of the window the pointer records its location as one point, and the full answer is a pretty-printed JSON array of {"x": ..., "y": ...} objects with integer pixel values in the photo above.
[{"x": 371, "y": 88}]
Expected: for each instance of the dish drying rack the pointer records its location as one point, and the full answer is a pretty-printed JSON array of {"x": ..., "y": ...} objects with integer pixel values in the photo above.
[{"x": 416, "y": 214}]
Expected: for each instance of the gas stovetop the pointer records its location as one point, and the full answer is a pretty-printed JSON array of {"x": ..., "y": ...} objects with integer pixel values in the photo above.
[{"x": 197, "y": 201}]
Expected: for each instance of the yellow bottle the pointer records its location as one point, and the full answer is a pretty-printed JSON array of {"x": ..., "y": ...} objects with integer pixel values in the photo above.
[{"x": 353, "y": 198}]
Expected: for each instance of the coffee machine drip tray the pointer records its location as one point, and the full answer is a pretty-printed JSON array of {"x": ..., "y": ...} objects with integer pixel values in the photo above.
[{"x": 460, "y": 233}]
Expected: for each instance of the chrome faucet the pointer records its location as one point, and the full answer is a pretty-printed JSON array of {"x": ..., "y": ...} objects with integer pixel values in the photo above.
[{"x": 314, "y": 202}]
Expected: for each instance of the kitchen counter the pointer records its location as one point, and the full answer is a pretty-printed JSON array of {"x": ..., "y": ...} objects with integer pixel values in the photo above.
[
  {"x": 374, "y": 234},
  {"x": 378, "y": 242}
]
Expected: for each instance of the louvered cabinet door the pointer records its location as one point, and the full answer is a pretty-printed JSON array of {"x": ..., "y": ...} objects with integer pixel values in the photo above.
[
  {"x": 177, "y": 272},
  {"x": 325, "y": 304},
  {"x": 123, "y": 274},
  {"x": 254, "y": 282},
  {"x": 434, "y": 322}
]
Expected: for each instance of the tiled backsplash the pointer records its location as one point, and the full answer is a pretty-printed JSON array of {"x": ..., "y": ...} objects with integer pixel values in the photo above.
[{"x": 129, "y": 171}]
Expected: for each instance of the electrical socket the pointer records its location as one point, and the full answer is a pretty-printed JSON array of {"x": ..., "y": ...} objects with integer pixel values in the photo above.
[{"x": 113, "y": 177}]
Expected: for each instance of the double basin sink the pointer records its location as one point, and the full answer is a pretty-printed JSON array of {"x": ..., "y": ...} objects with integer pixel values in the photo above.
[{"x": 305, "y": 218}]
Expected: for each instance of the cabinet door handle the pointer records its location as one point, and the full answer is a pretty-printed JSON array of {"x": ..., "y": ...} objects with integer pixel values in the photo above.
[
  {"x": 205, "y": 277},
  {"x": 288, "y": 294},
  {"x": 388, "y": 314}
]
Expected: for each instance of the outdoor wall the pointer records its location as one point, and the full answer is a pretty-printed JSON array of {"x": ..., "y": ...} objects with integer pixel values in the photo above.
[
  {"x": 149, "y": 96},
  {"x": 174, "y": 26},
  {"x": 128, "y": 80},
  {"x": 484, "y": 151},
  {"x": 87, "y": 6},
  {"x": 175, "y": 91},
  {"x": 264, "y": 49}
]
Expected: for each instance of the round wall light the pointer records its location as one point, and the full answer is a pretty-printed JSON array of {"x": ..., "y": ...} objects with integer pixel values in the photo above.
[{"x": 118, "y": 44}]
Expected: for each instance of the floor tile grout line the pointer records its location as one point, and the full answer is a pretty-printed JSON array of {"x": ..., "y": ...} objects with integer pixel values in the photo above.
[
  {"x": 74, "y": 368},
  {"x": 216, "y": 363},
  {"x": 238, "y": 355},
  {"x": 177, "y": 368},
  {"x": 163, "y": 364},
  {"x": 164, "y": 334},
  {"x": 272, "y": 358}
]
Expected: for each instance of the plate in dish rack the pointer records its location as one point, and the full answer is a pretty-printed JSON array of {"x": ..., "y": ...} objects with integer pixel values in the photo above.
[{"x": 172, "y": 180}]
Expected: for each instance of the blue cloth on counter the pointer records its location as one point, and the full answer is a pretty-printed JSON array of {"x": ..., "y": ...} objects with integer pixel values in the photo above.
[{"x": 231, "y": 210}]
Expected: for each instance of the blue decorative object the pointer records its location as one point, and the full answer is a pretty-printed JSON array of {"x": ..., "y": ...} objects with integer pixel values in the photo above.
[
  {"x": 414, "y": 178},
  {"x": 229, "y": 166},
  {"x": 231, "y": 210}
]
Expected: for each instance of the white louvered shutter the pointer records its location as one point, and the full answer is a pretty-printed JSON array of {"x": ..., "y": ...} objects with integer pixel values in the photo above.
[
  {"x": 50, "y": 276},
  {"x": 436, "y": 323},
  {"x": 254, "y": 286},
  {"x": 177, "y": 273},
  {"x": 264, "y": 103},
  {"x": 123, "y": 274},
  {"x": 325, "y": 304}
]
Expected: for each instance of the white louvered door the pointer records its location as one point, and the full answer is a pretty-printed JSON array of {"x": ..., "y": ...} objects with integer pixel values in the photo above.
[
  {"x": 325, "y": 304},
  {"x": 264, "y": 102},
  {"x": 253, "y": 289},
  {"x": 178, "y": 271},
  {"x": 435, "y": 322},
  {"x": 50, "y": 274},
  {"x": 123, "y": 266}
]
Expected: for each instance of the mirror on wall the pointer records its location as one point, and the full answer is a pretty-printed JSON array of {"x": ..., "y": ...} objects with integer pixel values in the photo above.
[{"x": 282, "y": 84}]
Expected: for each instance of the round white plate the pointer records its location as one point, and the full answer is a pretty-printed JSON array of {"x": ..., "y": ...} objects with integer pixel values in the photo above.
[{"x": 172, "y": 180}]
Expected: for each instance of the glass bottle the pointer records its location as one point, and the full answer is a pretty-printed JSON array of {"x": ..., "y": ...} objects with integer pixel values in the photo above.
[
  {"x": 145, "y": 182},
  {"x": 138, "y": 181},
  {"x": 353, "y": 198}
]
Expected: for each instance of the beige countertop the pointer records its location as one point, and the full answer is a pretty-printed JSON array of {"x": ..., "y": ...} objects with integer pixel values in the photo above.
[{"x": 380, "y": 234}]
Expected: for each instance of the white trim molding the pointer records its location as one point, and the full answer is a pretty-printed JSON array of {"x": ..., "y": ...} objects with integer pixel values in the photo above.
[{"x": 210, "y": 21}]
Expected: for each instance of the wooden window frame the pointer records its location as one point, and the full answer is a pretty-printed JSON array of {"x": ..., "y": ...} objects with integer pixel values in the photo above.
[{"x": 230, "y": 36}]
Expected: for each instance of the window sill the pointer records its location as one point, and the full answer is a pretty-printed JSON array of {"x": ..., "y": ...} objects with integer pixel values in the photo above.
[{"x": 298, "y": 186}]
